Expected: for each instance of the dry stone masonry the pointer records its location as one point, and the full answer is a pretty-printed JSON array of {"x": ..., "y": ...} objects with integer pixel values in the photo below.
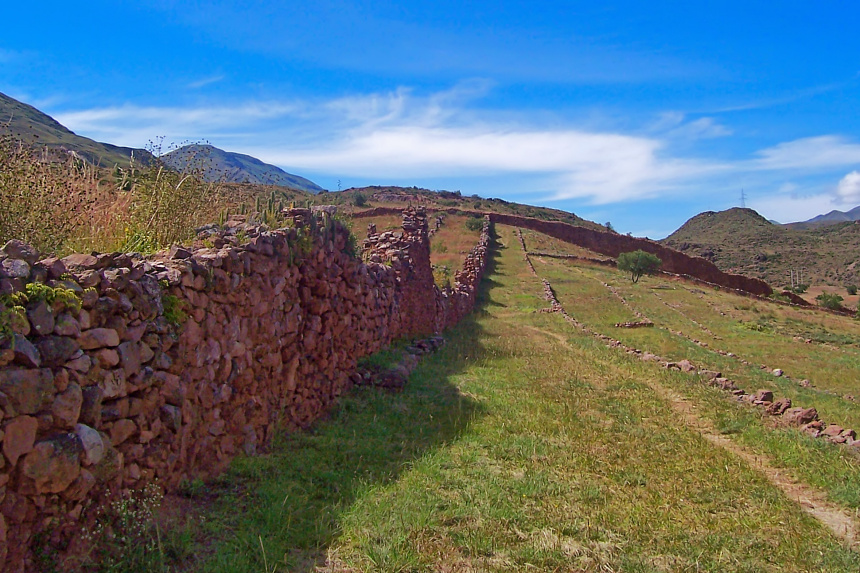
[{"x": 118, "y": 371}]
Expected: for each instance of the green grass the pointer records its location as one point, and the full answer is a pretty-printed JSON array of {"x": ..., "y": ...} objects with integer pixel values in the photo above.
[
  {"x": 522, "y": 444},
  {"x": 834, "y": 469}
]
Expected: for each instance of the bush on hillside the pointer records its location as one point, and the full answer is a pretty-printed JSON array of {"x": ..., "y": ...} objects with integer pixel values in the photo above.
[
  {"x": 799, "y": 289},
  {"x": 829, "y": 300},
  {"x": 474, "y": 224},
  {"x": 638, "y": 263},
  {"x": 851, "y": 289}
]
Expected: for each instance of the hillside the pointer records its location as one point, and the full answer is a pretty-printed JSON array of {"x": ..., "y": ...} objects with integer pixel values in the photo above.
[
  {"x": 399, "y": 197},
  {"x": 742, "y": 241},
  {"x": 30, "y": 125},
  {"x": 215, "y": 164}
]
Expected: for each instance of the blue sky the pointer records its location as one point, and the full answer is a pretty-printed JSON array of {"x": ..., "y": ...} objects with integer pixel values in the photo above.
[{"x": 638, "y": 113}]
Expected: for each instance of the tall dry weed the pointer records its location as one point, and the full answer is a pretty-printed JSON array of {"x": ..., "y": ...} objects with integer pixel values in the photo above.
[{"x": 44, "y": 199}]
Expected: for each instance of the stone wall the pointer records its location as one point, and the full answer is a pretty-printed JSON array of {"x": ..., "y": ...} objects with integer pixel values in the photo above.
[
  {"x": 162, "y": 369},
  {"x": 612, "y": 245}
]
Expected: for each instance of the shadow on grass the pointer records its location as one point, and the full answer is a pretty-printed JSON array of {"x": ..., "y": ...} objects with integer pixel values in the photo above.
[{"x": 284, "y": 509}]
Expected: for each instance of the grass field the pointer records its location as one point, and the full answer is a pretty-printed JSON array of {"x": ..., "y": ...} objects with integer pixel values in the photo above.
[{"x": 525, "y": 444}]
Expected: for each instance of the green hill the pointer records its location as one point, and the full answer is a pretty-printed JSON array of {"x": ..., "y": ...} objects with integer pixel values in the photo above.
[
  {"x": 742, "y": 241},
  {"x": 215, "y": 164},
  {"x": 30, "y": 125}
]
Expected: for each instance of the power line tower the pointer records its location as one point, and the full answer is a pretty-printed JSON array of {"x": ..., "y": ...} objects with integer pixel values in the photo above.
[{"x": 743, "y": 199}]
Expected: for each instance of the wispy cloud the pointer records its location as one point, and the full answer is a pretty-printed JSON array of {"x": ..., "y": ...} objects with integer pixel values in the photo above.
[
  {"x": 822, "y": 152},
  {"x": 206, "y": 81},
  {"x": 403, "y": 135},
  {"x": 790, "y": 97}
]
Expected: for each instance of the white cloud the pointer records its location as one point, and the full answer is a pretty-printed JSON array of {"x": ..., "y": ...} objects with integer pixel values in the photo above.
[
  {"x": 848, "y": 189},
  {"x": 403, "y": 136},
  {"x": 821, "y": 152}
]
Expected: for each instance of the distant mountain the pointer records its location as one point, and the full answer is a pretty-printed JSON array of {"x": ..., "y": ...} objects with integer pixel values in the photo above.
[
  {"x": 828, "y": 219},
  {"x": 32, "y": 126},
  {"x": 215, "y": 164},
  {"x": 744, "y": 242}
]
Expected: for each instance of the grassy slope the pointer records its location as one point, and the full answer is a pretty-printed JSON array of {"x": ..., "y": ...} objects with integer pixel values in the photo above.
[
  {"x": 740, "y": 240},
  {"x": 521, "y": 444},
  {"x": 32, "y": 126}
]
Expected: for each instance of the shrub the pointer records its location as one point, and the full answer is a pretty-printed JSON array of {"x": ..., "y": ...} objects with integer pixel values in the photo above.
[
  {"x": 359, "y": 200},
  {"x": 474, "y": 224},
  {"x": 638, "y": 263},
  {"x": 852, "y": 289},
  {"x": 829, "y": 300},
  {"x": 799, "y": 289}
]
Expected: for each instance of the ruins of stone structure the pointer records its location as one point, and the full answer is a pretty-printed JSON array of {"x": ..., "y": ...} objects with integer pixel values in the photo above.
[{"x": 134, "y": 370}]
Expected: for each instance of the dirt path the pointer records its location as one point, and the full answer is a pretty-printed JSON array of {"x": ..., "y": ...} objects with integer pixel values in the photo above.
[{"x": 811, "y": 500}]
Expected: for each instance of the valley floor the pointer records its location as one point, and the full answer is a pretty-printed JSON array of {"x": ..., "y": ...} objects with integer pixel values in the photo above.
[{"x": 527, "y": 444}]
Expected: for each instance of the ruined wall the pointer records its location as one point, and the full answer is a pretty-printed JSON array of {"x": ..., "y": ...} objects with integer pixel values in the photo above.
[
  {"x": 164, "y": 368},
  {"x": 612, "y": 245}
]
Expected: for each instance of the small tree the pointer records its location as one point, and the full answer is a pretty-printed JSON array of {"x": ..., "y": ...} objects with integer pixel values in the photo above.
[
  {"x": 638, "y": 263},
  {"x": 852, "y": 289},
  {"x": 828, "y": 300}
]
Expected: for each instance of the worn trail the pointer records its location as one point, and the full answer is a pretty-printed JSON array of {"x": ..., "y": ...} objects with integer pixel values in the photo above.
[{"x": 812, "y": 500}]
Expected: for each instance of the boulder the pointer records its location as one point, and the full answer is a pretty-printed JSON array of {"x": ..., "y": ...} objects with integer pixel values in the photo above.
[
  {"x": 832, "y": 430},
  {"x": 28, "y": 391},
  {"x": 53, "y": 464},
  {"x": 67, "y": 325},
  {"x": 16, "y": 249},
  {"x": 121, "y": 431},
  {"x": 799, "y": 416},
  {"x": 99, "y": 338},
  {"x": 686, "y": 366},
  {"x": 19, "y": 438},
  {"x": 56, "y": 350},
  {"x": 91, "y": 408},
  {"x": 15, "y": 269},
  {"x": 92, "y": 444},
  {"x": 778, "y": 407},
  {"x": 66, "y": 408},
  {"x": 25, "y": 353},
  {"x": 41, "y": 318},
  {"x": 763, "y": 396}
]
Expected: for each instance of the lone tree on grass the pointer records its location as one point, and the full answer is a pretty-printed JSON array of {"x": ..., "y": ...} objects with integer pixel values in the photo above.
[{"x": 638, "y": 263}]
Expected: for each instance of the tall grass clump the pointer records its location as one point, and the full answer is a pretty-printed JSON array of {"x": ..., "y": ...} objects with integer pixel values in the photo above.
[
  {"x": 163, "y": 207},
  {"x": 45, "y": 200},
  {"x": 61, "y": 204}
]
